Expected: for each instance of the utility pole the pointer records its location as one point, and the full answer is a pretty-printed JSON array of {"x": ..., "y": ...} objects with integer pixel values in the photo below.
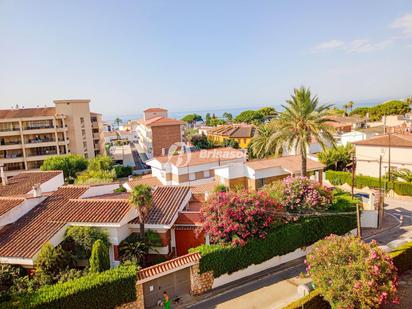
[
  {"x": 380, "y": 207},
  {"x": 358, "y": 216}
]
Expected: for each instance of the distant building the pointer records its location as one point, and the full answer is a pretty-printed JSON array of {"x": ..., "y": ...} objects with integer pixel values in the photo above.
[
  {"x": 396, "y": 146},
  {"x": 344, "y": 124},
  {"x": 240, "y": 133},
  {"x": 360, "y": 135},
  {"x": 156, "y": 132},
  {"x": 29, "y": 135}
]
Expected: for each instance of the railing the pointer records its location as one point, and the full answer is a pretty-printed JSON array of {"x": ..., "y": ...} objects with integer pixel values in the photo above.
[
  {"x": 42, "y": 154},
  {"x": 7, "y": 143},
  {"x": 13, "y": 156},
  {"x": 9, "y": 129},
  {"x": 38, "y": 127},
  {"x": 13, "y": 168},
  {"x": 39, "y": 140}
]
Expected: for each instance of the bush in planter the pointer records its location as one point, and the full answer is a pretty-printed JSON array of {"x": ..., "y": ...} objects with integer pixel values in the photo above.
[
  {"x": 236, "y": 217},
  {"x": 352, "y": 274}
]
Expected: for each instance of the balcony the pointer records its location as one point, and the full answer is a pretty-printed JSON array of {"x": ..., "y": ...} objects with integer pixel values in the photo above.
[
  {"x": 40, "y": 157},
  {"x": 11, "y": 159},
  {"x": 95, "y": 125},
  {"x": 96, "y": 135}
]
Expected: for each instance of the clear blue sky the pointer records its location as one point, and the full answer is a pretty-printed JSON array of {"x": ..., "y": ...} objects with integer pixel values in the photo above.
[{"x": 196, "y": 55}]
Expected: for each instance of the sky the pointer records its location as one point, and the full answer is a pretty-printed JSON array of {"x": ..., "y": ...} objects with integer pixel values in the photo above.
[{"x": 202, "y": 55}]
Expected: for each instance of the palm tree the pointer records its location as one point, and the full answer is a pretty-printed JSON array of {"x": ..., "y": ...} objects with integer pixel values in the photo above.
[
  {"x": 350, "y": 105},
  {"x": 134, "y": 251},
  {"x": 118, "y": 121},
  {"x": 141, "y": 198},
  {"x": 262, "y": 145},
  {"x": 302, "y": 120},
  {"x": 345, "y": 107}
]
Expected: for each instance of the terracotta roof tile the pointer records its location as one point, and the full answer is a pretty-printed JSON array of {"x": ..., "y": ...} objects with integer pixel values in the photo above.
[
  {"x": 289, "y": 163},
  {"x": 201, "y": 157},
  {"x": 160, "y": 121},
  {"x": 156, "y": 270},
  {"x": 155, "y": 109},
  {"x": 91, "y": 211},
  {"x": 234, "y": 130},
  {"x": 166, "y": 203},
  {"x": 396, "y": 140},
  {"x": 147, "y": 179},
  {"x": 23, "y": 183},
  {"x": 6, "y": 204},
  {"x": 188, "y": 218},
  {"x": 27, "y": 112},
  {"x": 25, "y": 237}
]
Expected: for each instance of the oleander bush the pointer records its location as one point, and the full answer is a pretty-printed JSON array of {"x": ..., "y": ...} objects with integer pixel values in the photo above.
[
  {"x": 286, "y": 238},
  {"x": 350, "y": 273},
  {"x": 96, "y": 290}
]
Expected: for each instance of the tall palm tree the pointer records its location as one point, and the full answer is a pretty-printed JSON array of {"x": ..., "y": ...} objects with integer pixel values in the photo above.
[
  {"x": 262, "y": 145},
  {"x": 350, "y": 105},
  {"x": 141, "y": 198},
  {"x": 345, "y": 107},
  {"x": 302, "y": 120},
  {"x": 118, "y": 121}
]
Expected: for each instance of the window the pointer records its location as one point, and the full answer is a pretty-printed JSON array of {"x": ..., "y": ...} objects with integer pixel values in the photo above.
[
  {"x": 260, "y": 182},
  {"x": 85, "y": 146},
  {"x": 206, "y": 174},
  {"x": 192, "y": 176}
]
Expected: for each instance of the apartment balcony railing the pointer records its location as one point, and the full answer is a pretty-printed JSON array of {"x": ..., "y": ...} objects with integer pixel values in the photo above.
[
  {"x": 9, "y": 129},
  {"x": 7, "y": 143},
  {"x": 40, "y": 140},
  {"x": 9, "y": 168},
  {"x": 48, "y": 153},
  {"x": 12, "y": 156},
  {"x": 38, "y": 127}
]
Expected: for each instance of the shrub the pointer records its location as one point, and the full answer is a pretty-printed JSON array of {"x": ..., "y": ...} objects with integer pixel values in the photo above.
[
  {"x": 91, "y": 177},
  {"x": 69, "y": 164},
  {"x": 123, "y": 171},
  {"x": 8, "y": 274},
  {"x": 83, "y": 238},
  {"x": 100, "y": 163},
  {"x": 50, "y": 262},
  {"x": 352, "y": 274},
  {"x": 220, "y": 188},
  {"x": 343, "y": 201},
  {"x": 96, "y": 290},
  {"x": 237, "y": 217},
  {"x": 99, "y": 260},
  {"x": 222, "y": 259},
  {"x": 71, "y": 274},
  {"x": 301, "y": 195}
]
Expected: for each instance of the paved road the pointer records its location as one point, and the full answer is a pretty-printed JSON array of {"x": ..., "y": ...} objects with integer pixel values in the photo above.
[{"x": 261, "y": 293}]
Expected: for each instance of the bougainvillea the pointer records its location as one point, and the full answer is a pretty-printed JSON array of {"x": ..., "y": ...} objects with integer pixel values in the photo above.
[
  {"x": 300, "y": 194},
  {"x": 235, "y": 217},
  {"x": 351, "y": 273}
]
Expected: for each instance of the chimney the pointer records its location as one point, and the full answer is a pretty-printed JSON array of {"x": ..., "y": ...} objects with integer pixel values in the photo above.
[
  {"x": 163, "y": 151},
  {"x": 37, "y": 190},
  {"x": 2, "y": 175}
]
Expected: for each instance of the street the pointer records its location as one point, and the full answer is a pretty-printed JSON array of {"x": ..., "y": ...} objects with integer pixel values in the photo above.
[{"x": 277, "y": 289}]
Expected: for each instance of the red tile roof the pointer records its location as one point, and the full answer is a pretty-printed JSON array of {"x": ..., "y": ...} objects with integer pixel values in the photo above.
[
  {"x": 166, "y": 203},
  {"x": 202, "y": 157},
  {"x": 188, "y": 218},
  {"x": 8, "y": 203},
  {"x": 160, "y": 121},
  {"x": 23, "y": 183},
  {"x": 92, "y": 211},
  {"x": 27, "y": 112},
  {"x": 396, "y": 140},
  {"x": 289, "y": 163},
  {"x": 156, "y": 270},
  {"x": 234, "y": 130},
  {"x": 25, "y": 237},
  {"x": 203, "y": 188},
  {"x": 155, "y": 109},
  {"x": 147, "y": 179}
]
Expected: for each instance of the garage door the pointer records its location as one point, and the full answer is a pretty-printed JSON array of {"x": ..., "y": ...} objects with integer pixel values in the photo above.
[{"x": 176, "y": 284}]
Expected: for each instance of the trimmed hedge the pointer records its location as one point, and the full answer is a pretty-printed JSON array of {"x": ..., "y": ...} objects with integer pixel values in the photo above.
[
  {"x": 402, "y": 258},
  {"x": 222, "y": 259},
  {"x": 100, "y": 290},
  {"x": 339, "y": 178}
]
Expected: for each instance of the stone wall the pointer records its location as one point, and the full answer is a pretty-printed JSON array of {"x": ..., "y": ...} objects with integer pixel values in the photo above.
[
  {"x": 200, "y": 283},
  {"x": 138, "y": 303}
]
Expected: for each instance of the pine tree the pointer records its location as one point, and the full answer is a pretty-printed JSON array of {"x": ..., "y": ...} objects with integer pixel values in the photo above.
[{"x": 99, "y": 260}]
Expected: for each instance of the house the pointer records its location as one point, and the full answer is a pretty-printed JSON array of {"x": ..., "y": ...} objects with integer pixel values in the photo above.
[
  {"x": 360, "y": 135},
  {"x": 194, "y": 167},
  {"x": 30, "y": 135},
  {"x": 120, "y": 136},
  {"x": 255, "y": 174},
  {"x": 31, "y": 216},
  {"x": 394, "y": 147},
  {"x": 240, "y": 133},
  {"x": 344, "y": 124},
  {"x": 157, "y": 133}
]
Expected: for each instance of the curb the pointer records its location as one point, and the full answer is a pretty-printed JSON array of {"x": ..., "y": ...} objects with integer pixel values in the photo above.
[{"x": 386, "y": 229}]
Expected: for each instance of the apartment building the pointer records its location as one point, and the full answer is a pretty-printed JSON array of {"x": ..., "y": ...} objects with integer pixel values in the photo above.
[
  {"x": 29, "y": 135},
  {"x": 240, "y": 133},
  {"x": 156, "y": 132}
]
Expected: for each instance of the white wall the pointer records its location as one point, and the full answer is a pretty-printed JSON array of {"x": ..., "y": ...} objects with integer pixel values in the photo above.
[
  {"x": 100, "y": 190},
  {"x": 352, "y": 137},
  {"x": 17, "y": 212}
]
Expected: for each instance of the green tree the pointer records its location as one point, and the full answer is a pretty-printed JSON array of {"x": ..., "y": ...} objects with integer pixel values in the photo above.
[
  {"x": 118, "y": 121},
  {"x": 231, "y": 143},
  {"x": 228, "y": 116},
  {"x": 337, "y": 158},
  {"x": 70, "y": 164},
  {"x": 50, "y": 262},
  {"x": 249, "y": 116},
  {"x": 394, "y": 107},
  {"x": 100, "y": 163},
  {"x": 403, "y": 174},
  {"x": 207, "y": 119},
  {"x": 302, "y": 120},
  {"x": 99, "y": 259},
  {"x": 141, "y": 198},
  {"x": 267, "y": 112},
  {"x": 135, "y": 251},
  {"x": 262, "y": 144},
  {"x": 192, "y": 118},
  {"x": 84, "y": 237},
  {"x": 200, "y": 141},
  {"x": 350, "y": 105},
  {"x": 216, "y": 122}
]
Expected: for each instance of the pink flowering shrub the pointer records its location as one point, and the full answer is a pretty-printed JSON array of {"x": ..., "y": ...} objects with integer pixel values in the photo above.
[
  {"x": 235, "y": 217},
  {"x": 301, "y": 194},
  {"x": 351, "y": 273}
]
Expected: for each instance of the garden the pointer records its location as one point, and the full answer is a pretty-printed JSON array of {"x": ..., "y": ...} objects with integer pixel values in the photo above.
[{"x": 248, "y": 228}]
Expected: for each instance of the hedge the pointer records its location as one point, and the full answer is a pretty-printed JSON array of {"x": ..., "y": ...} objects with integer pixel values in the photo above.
[
  {"x": 98, "y": 290},
  {"x": 339, "y": 178},
  {"x": 402, "y": 258},
  {"x": 222, "y": 259}
]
